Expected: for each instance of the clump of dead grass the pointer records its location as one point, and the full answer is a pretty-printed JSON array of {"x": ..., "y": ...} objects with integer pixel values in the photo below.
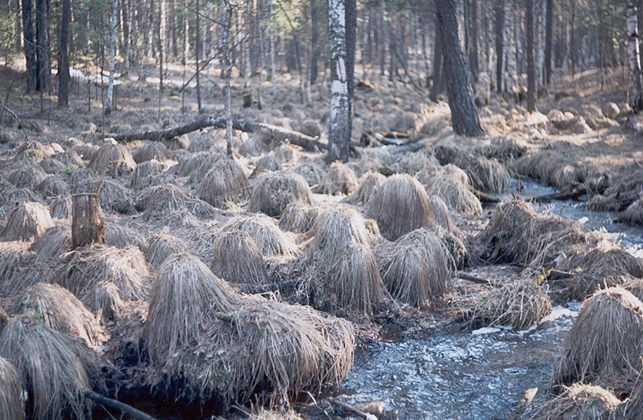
[
  {"x": 604, "y": 345},
  {"x": 27, "y": 176},
  {"x": 53, "y": 243},
  {"x": 578, "y": 401},
  {"x": 53, "y": 186},
  {"x": 55, "y": 368},
  {"x": 112, "y": 159},
  {"x": 151, "y": 150},
  {"x": 28, "y": 221},
  {"x": 369, "y": 184},
  {"x": 60, "y": 208},
  {"x": 145, "y": 174},
  {"x": 416, "y": 268},
  {"x": 12, "y": 405},
  {"x": 312, "y": 171},
  {"x": 60, "y": 310},
  {"x": 271, "y": 240},
  {"x": 225, "y": 183},
  {"x": 273, "y": 191},
  {"x": 161, "y": 246},
  {"x": 485, "y": 174},
  {"x": 168, "y": 199},
  {"x": 298, "y": 218},
  {"x": 267, "y": 163},
  {"x": 451, "y": 184},
  {"x": 339, "y": 180},
  {"x": 121, "y": 236},
  {"x": 237, "y": 258},
  {"x": 400, "y": 205}
]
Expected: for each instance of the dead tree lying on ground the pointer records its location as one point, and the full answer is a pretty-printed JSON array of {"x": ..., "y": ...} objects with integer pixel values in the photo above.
[{"x": 308, "y": 143}]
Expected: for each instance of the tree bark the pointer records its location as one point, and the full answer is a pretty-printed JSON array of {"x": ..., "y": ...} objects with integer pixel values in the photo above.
[
  {"x": 549, "y": 34},
  {"x": 30, "y": 45},
  {"x": 197, "y": 53},
  {"x": 43, "y": 62},
  {"x": 500, "y": 42},
  {"x": 636, "y": 89},
  {"x": 464, "y": 116},
  {"x": 113, "y": 24},
  {"x": 227, "y": 74},
  {"x": 339, "y": 124},
  {"x": 63, "y": 55},
  {"x": 438, "y": 63},
  {"x": 87, "y": 226},
  {"x": 531, "y": 65}
]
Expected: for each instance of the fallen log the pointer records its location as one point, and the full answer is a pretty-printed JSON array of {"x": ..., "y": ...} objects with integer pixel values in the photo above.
[
  {"x": 573, "y": 194},
  {"x": 278, "y": 134},
  {"x": 486, "y": 198},
  {"x": 122, "y": 407}
]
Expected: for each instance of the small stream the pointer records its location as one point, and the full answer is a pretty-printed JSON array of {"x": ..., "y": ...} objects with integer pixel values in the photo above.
[{"x": 481, "y": 374}]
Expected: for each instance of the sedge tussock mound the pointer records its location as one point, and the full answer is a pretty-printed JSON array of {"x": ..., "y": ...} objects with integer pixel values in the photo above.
[
  {"x": 596, "y": 268},
  {"x": 268, "y": 163},
  {"x": 578, "y": 401},
  {"x": 521, "y": 305},
  {"x": 517, "y": 234},
  {"x": 223, "y": 184},
  {"x": 15, "y": 264},
  {"x": 442, "y": 214},
  {"x": 34, "y": 150},
  {"x": 503, "y": 149},
  {"x": 55, "y": 368},
  {"x": 161, "y": 246},
  {"x": 53, "y": 243},
  {"x": 146, "y": 174},
  {"x": 12, "y": 405},
  {"x": 448, "y": 184},
  {"x": 633, "y": 213},
  {"x": 312, "y": 171},
  {"x": 267, "y": 351},
  {"x": 485, "y": 174},
  {"x": 168, "y": 199},
  {"x": 151, "y": 150},
  {"x": 273, "y": 191},
  {"x": 182, "y": 299},
  {"x": 634, "y": 406},
  {"x": 197, "y": 165},
  {"x": 58, "y": 309},
  {"x": 271, "y": 240},
  {"x": 54, "y": 166},
  {"x": 121, "y": 236},
  {"x": 551, "y": 166},
  {"x": 369, "y": 184},
  {"x": 339, "y": 180},
  {"x": 53, "y": 186},
  {"x": 236, "y": 258},
  {"x": 60, "y": 208},
  {"x": 28, "y": 221},
  {"x": 416, "y": 267},
  {"x": 604, "y": 345},
  {"x": 106, "y": 297},
  {"x": 400, "y": 205},
  {"x": 112, "y": 159},
  {"x": 113, "y": 196},
  {"x": 86, "y": 268},
  {"x": 27, "y": 176},
  {"x": 298, "y": 218}
]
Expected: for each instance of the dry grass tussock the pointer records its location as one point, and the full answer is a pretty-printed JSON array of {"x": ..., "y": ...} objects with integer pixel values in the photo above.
[
  {"x": 633, "y": 213},
  {"x": 273, "y": 191},
  {"x": 122, "y": 236},
  {"x": 517, "y": 234},
  {"x": 555, "y": 167},
  {"x": 225, "y": 345},
  {"x": 12, "y": 405},
  {"x": 196, "y": 165},
  {"x": 53, "y": 186},
  {"x": 271, "y": 240},
  {"x": 578, "y": 401},
  {"x": 52, "y": 244},
  {"x": 27, "y": 176},
  {"x": 485, "y": 174},
  {"x": 340, "y": 179},
  {"x": 451, "y": 184},
  {"x": 599, "y": 267},
  {"x": 267, "y": 163},
  {"x": 167, "y": 200},
  {"x": 400, "y": 205},
  {"x": 55, "y": 368},
  {"x": 17, "y": 268},
  {"x": 521, "y": 305},
  {"x": 237, "y": 259},
  {"x": 113, "y": 196},
  {"x": 604, "y": 345},
  {"x": 161, "y": 246},
  {"x": 112, "y": 159},
  {"x": 87, "y": 268},
  {"x": 58, "y": 309},
  {"x": 312, "y": 171},
  {"x": 28, "y": 221},
  {"x": 634, "y": 406},
  {"x": 369, "y": 184},
  {"x": 416, "y": 268},
  {"x": 298, "y": 218},
  {"x": 151, "y": 150},
  {"x": 60, "y": 208},
  {"x": 225, "y": 183},
  {"x": 146, "y": 175}
]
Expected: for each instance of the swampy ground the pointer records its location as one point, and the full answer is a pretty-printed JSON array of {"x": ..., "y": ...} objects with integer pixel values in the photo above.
[{"x": 410, "y": 363}]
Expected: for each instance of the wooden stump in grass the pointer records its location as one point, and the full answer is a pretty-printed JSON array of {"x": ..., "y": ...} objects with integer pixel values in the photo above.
[{"x": 87, "y": 226}]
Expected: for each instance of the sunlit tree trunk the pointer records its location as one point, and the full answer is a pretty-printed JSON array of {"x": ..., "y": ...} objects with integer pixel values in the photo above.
[
  {"x": 500, "y": 42},
  {"x": 113, "y": 24},
  {"x": 339, "y": 124},
  {"x": 63, "y": 55},
  {"x": 636, "y": 88},
  {"x": 227, "y": 72},
  {"x": 531, "y": 65},
  {"x": 549, "y": 29}
]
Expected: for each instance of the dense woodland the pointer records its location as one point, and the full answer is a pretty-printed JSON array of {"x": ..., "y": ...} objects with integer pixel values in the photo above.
[{"x": 321, "y": 209}]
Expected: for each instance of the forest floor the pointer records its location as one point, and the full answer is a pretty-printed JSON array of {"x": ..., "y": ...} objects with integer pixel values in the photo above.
[{"x": 590, "y": 151}]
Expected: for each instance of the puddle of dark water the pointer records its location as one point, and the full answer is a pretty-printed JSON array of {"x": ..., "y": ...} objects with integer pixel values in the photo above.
[{"x": 477, "y": 375}]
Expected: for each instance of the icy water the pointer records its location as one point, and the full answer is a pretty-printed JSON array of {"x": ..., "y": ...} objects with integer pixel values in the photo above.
[{"x": 481, "y": 374}]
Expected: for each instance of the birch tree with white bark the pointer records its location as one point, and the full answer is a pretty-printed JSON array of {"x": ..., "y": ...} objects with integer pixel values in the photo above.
[
  {"x": 339, "y": 124},
  {"x": 635, "y": 93},
  {"x": 113, "y": 25}
]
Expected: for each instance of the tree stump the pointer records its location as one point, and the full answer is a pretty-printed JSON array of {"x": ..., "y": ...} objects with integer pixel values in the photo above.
[{"x": 87, "y": 226}]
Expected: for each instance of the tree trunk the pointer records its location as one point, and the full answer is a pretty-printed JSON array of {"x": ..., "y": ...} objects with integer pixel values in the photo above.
[
  {"x": 531, "y": 65},
  {"x": 500, "y": 42},
  {"x": 161, "y": 28},
  {"x": 87, "y": 226},
  {"x": 63, "y": 55},
  {"x": 438, "y": 63},
  {"x": 636, "y": 88},
  {"x": 314, "y": 39},
  {"x": 197, "y": 54},
  {"x": 464, "y": 116},
  {"x": 43, "y": 63},
  {"x": 339, "y": 124},
  {"x": 30, "y": 45},
  {"x": 351, "y": 26},
  {"x": 113, "y": 24},
  {"x": 549, "y": 33},
  {"x": 271, "y": 36},
  {"x": 227, "y": 73}
]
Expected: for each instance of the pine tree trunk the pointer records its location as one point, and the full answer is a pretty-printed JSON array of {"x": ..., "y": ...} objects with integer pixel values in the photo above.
[
  {"x": 30, "y": 45},
  {"x": 271, "y": 36},
  {"x": 549, "y": 29},
  {"x": 63, "y": 55},
  {"x": 464, "y": 116},
  {"x": 197, "y": 54},
  {"x": 500, "y": 42},
  {"x": 43, "y": 62},
  {"x": 339, "y": 124},
  {"x": 227, "y": 73},
  {"x": 438, "y": 63},
  {"x": 531, "y": 65},
  {"x": 113, "y": 24},
  {"x": 636, "y": 88}
]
